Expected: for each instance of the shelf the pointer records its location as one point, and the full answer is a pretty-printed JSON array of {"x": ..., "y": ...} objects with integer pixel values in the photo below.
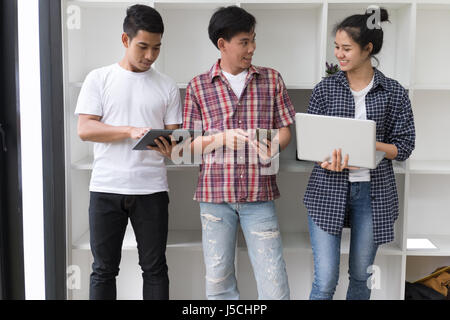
[
  {"x": 286, "y": 4},
  {"x": 425, "y": 86},
  {"x": 176, "y": 239},
  {"x": 429, "y": 166},
  {"x": 289, "y": 86},
  {"x": 191, "y": 5},
  {"x": 87, "y": 163},
  {"x": 301, "y": 86},
  {"x": 442, "y": 242},
  {"x": 286, "y": 165},
  {"x": 300, "y": 241},
  {"x": 363, "y": 4},
  {"x": 176, "y": 167},
  {"x": 105, "y": 3},
  {"x": 306, "y": 166},
  {"x": 183, "y": 85},
  {"x": 292, "y": 241},
  {"x": 433, "y": 5}
]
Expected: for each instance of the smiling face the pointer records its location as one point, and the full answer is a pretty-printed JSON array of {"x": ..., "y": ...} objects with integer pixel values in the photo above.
[
  {"x": 237, "y": 54},
  {"x": 142, "y": 51},
  {"x": 349, "y": 54}
]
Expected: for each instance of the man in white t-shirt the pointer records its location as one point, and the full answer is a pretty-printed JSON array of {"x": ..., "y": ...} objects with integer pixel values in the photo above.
[{"x": 117, "y": 105}]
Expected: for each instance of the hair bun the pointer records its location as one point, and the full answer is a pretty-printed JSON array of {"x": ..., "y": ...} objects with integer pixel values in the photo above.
[{"x": 384, "y": 16}]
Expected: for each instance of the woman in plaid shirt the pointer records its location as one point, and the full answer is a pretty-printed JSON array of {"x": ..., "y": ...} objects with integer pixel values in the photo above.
[{"x": 338, "y": 196}]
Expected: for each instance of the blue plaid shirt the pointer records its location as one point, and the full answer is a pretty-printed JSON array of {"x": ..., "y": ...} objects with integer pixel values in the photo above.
[{"x": 387, "y": 103}]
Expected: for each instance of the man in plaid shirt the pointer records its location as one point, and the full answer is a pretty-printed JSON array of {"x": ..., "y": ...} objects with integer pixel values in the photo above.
[{"x": 229, "y": 102}]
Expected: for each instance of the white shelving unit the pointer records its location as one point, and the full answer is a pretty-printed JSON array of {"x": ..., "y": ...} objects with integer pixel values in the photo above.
[
  {"x": 429, "y": 166},
  {"x": 294, "y": 37}
]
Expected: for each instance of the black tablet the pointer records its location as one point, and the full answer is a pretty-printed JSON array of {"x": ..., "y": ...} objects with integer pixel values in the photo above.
[{"x": 178, "y": 134}]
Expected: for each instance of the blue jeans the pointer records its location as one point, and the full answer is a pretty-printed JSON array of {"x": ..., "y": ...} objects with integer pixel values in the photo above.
[
  {"x": 260, "y": 227},
  {"x": 326, "y": 249}
]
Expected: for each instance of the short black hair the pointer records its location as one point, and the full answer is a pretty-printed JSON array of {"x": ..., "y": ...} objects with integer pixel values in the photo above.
[
  {"x": 356, "y": 27},
  {"x": 141, "y": 17},
  {"x": 226, "y": 22}
]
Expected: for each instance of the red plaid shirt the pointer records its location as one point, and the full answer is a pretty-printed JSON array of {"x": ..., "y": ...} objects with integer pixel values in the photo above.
[{"x": 211, "y": 103}]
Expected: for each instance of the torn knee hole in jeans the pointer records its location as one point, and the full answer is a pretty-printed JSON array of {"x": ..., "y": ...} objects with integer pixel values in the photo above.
[
  {"x": 270, "y": 234},
  {"x": 217, "y": 261},
  {"x": 217, "y": 280},
  {"x": 209, "y": 218}
]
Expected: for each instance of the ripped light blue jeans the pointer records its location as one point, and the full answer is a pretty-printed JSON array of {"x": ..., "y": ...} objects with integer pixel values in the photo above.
[{"x": 260, "y": 228}]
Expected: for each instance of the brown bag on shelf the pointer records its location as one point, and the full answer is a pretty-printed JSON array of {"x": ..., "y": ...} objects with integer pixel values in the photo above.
[{"x": 439, "y": 281}]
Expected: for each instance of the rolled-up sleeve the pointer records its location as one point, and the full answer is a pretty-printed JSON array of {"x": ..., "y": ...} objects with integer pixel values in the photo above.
[
  {"x": 317, "y": 100},
  {"x": 191, "y": 113},
  {"x": 403, "y": 135},
  {"x": 284, "y": 112}
]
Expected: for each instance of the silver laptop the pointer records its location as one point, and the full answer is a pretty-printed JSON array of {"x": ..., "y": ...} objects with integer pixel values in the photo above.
[{"x": 318, "y": 136}]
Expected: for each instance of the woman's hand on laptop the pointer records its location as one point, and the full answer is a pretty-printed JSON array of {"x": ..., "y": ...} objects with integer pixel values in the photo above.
[{"x": 336, "y": 162}]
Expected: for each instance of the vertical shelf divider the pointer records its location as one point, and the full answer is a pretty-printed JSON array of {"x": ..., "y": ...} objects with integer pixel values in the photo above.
[
  {"x": 412, "y": 41},
  {"x": 323, "y": 41}
]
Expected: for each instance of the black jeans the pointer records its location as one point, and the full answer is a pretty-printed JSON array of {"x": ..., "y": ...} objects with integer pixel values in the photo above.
[{"x": 108, "y": 219}]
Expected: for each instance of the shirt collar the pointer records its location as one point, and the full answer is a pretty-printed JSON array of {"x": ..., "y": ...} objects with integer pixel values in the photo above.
[
  {"x": 216, "y": 71},
  {"x": 379, "y": 79}
]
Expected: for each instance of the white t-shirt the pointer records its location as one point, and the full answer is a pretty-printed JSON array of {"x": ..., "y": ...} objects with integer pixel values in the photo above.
[
  {"x": 360, "y": 113},
  {"x": 125, "y": 98},
  {"x": 237, "y": 82}
]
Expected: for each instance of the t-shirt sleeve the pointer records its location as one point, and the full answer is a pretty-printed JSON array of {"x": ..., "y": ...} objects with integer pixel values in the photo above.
[
  {"x": 90, "y": 97},
  {"x": 174, "y": 110}
]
